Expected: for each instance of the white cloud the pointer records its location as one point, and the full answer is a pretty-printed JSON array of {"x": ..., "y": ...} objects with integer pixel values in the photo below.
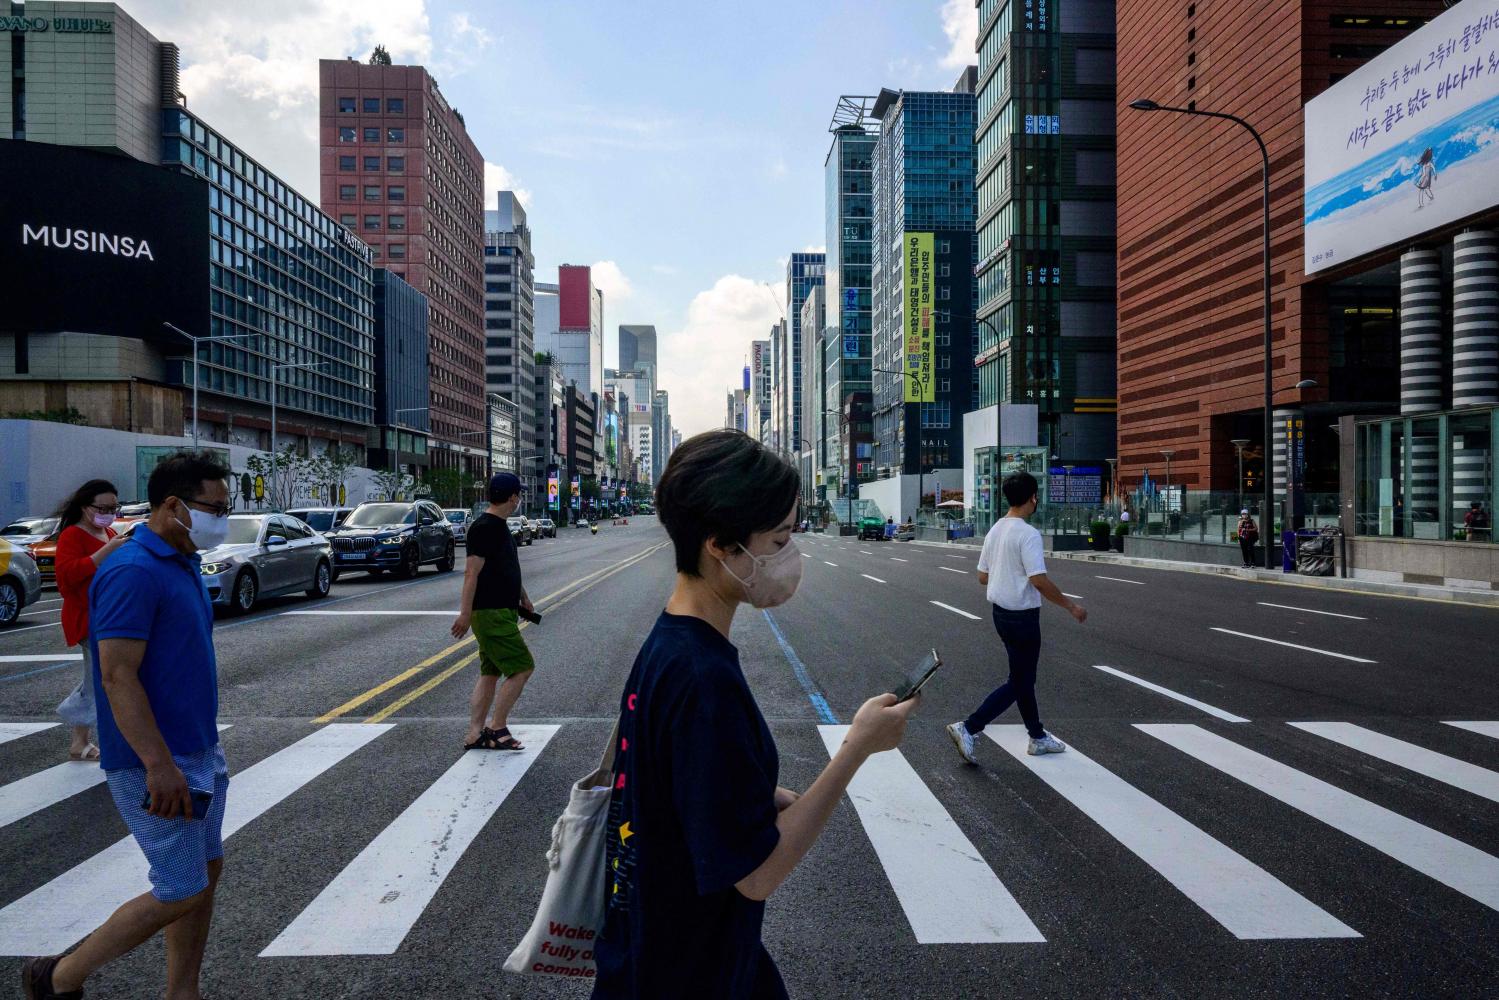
[
  {"x": 666, "y": 269},
  {"x": 497, "y": 179},
  {"x": 778, "y": 168},
  {"x": 251, "y": 69},
  {"x": 612, "y": 282},
  {"x": 704, "y": 359},
  {"x": 960, "y": 23},
  {"x": 819, "y": 248}
]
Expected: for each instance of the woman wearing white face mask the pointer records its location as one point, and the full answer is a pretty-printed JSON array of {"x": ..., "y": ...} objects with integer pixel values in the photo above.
[
  {"x": 84, "y": 541},
  {"x": 700, "y": 834}
]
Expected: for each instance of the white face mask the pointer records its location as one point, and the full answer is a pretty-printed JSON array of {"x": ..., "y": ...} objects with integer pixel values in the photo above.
[
  {"x": 774, "y": 579},
  {"x": 207, "y": 531}
]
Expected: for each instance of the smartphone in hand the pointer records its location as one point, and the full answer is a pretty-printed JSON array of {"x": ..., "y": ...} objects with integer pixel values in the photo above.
[
  {"x": 202, "y": 800},
  {"x": 917, "y": 678},
  {"x": 530, "y": 616}
]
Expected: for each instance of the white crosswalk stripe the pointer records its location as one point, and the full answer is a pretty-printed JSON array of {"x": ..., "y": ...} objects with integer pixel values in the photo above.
[
  {"x": 930, "y": 863},
  {"x": 1243, "y": 897},
  {"x": 36, "y": 792},
  {"x": 1437, "y": 766},
  {"x": 373, "y": 903},
  {"x": 15, "y": 730},
  {"x": 1481, "y": 728},
  {"x": 1446, "y": 859},
  {"x": 60, "y": 913}
]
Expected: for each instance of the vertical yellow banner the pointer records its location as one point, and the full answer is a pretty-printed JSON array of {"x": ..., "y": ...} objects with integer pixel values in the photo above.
[{"x": 920, "y": 360}]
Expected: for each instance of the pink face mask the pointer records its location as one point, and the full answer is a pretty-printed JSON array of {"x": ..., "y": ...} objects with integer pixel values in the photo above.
[{"x": 103, "y": 520}]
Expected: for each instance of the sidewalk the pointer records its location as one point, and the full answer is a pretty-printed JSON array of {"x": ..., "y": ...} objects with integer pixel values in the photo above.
[{"x": 1450, "y": 595}]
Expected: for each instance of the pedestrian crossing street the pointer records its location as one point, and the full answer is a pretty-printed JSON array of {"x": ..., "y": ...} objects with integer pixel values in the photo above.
[{"x": 372, "y": 904}]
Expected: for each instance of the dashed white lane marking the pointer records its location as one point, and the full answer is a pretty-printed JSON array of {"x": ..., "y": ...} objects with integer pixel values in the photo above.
[
  {"x": 1292, "y": 645},
  {"x": 1204, "y": 706},
  {"x": 1310, "y": 611},
  {"x": 832, "y": 564},
  {"x": 1120, "y": 579},
  {"x": 874, "y": 578},
  {"x": 898, "y": 559},
  {"x": 949, "y": 569},
  {"x": 956, "y": 611},
  {"x": 41, "y": 657},
  {"x": 376, "y": 613},
  {"x": 1075, "y": 597}
]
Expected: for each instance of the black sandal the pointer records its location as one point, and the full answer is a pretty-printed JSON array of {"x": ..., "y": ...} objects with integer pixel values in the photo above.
[{"x": 494, "y": 739}]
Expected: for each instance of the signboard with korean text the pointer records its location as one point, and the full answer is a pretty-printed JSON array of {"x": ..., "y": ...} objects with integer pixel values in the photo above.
[
  {"x": 920, "y": 360},
  {"x": 1406, "y": 143},
  {"x": 554, "y": 489}
]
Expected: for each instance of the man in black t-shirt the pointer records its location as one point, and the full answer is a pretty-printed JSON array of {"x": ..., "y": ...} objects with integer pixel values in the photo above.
[{"x": 492, "y": 591}]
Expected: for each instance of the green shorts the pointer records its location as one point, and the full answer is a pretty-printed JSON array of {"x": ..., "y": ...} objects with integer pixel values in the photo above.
[{"x": 502, "y": 652}]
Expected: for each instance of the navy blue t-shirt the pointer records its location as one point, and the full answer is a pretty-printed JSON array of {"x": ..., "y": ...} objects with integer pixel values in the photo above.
[{"x": 693, "y": 813}]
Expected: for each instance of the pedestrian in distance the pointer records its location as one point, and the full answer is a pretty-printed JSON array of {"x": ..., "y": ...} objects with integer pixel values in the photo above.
[
  {"x": 1476, "y": 522},
  {"x": 492, "y": 593},
  {"x": 84, "y": 541},
  {"x": 699, "y": 831},
  {"x": 1012, "y": 567},
  {"x": 156, "y": 685},
  {"x": 1248, "y": 533}
]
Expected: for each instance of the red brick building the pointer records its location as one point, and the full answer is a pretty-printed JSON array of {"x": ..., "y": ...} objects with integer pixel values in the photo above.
[
  {"x": 1190, "y": 248},
  {"x": 399, "y": 168}
]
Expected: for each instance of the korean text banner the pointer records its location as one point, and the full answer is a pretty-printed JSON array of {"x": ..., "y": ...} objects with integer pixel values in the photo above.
[
  {"x": 553, "y": 490},
  {"x": 1408, "y": 142},
  {"x": 918, "y": 312}
]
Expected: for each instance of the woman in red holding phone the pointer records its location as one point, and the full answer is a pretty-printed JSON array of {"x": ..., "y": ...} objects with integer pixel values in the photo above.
[{"x": 85, "y": 542}]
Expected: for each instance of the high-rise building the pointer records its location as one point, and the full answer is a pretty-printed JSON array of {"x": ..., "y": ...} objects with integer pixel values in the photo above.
[
  {"x": 510, "y": 321},
  {"x": 736, "y": 415},
  {"x": 399, "y": 168},
  {"x": 661, "y": 436},
  {"x": 550, "y": 423},
  {"x": 577, "y": 341},
  {"x": 637, "y": 349},
  {"x": 781, "y": 431},
  {"x": 1045, "y": 183},
  {"x": 805, "y": 271},
  {"x": 1191, "y": 320},
  {"x": 924, "y": 245},
  {"x": 847, "y": 435},
  {"x": 289, "y": 282},
  {"x": 759, "y": 417},
  {"x": 401, "y": 377},
  {"x": 814, "y": 351}
]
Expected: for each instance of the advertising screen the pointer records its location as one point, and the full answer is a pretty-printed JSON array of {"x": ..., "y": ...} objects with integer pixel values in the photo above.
[
  {"x": 93, "y": 243},
  {"x": 1406, "y": 143}
]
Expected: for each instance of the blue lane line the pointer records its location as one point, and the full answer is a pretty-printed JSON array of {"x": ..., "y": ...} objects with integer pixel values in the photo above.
[
  {"x": 824, "y": 712},
  {"x": 39, "y": 670}
]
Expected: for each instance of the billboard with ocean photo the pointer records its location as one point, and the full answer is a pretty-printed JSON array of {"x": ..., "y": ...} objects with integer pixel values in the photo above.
[{"x": 1407, "y": 143}]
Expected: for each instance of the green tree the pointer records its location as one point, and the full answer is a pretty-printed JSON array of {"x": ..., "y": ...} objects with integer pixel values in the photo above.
[
  {"x": 446, "y": 486},
  {"x": 380, "y": 57},
  {"x": 67, "y": 415}
]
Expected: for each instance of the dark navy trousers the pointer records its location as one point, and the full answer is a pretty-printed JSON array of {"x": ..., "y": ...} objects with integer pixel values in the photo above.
[{"x": 1020, "y": 631}]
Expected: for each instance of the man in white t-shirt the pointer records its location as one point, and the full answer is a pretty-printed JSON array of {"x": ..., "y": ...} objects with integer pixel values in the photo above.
[{"x": 1013, "y": 569}]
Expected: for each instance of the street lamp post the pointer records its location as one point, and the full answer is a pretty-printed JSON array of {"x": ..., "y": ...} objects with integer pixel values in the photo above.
[
  {"x": 1239, "y": 444},
  {"x": 1266, "y": 517},
  {"x": 196, "y": 341},
  {"x": 396, "y": 491}
]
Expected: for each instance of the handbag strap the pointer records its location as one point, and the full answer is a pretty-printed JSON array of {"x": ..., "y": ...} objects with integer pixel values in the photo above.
[{"x": 606, "y": 763}]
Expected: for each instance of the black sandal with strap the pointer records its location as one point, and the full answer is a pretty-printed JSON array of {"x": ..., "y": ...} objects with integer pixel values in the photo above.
[{"x": 494, "y": 739}]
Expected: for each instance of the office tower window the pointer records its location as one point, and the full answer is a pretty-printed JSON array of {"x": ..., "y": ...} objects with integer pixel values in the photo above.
[
  {"x": 395, "y": 105},
  {"x": 396, "y": 192},
  {"x": 372, "y": 105},
  {"x": 372, "y": 135},
  {"x": 346, "y": 105},
  {"x": 397, "y": 251},
  {"x": 346, "y": 220},
  {"x": 347, "y": 133},
  {"x": 346, "y": 163},
  {"x": 372, "y": 163},
  {"x": 372, "y": 222},
  {"x": 395, "y": 135},
  {"x": 396, "y": 222},
  {"x": 372, "y": 192},
  {"x": 395, "y": 164},
  {"x": 346, "y": 192}
]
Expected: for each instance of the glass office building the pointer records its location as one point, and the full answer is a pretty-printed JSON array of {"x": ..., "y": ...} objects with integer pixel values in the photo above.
[
  {"x": 923, "y": 183},
  {"x": 1045, "y": 185},
  {"x": 849, "y": 206},
  {"x": 293, "y": 283}
]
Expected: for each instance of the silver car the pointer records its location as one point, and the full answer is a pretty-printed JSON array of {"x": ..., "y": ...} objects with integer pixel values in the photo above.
[
  {"x": 460, "y": 520},
  {"x": 29, "y": 530},
  {"x": 20, "y": 582},
  {"x": 266, "y": 555}
]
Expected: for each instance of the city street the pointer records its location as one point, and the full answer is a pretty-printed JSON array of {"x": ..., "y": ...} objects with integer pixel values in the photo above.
[{"x": 1270, "y": 790}]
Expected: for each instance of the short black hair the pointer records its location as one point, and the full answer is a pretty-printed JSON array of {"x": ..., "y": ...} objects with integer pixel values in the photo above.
[
  {"x": 182, "y": 474},
  {"x": 1018, "y": 488},
  {"x": 722, "y": 485}
]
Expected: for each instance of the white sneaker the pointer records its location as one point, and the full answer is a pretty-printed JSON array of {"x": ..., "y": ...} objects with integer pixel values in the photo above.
[
  {"x": 963, "y": 740},
  {"x": 1046, "y": 744}
]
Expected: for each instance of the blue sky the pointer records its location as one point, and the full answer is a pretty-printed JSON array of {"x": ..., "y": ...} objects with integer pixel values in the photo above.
[{"x": 678, "y": 145}]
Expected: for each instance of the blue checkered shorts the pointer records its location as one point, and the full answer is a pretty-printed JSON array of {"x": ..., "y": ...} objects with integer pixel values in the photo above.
[{"x": 179, "y": 850}]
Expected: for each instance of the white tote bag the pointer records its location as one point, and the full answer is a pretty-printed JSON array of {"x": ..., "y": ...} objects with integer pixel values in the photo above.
[{"x": 571, "y": 914}]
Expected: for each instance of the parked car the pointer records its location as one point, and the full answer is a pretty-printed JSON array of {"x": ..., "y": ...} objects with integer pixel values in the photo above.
[
  {"x": 460, "y": 519},
  {"x": 267, "y": 555},
  {"x": 20, "y": 582},
  {"x": 321, "y": 519},
  {"x": 522, "y": 530},
  {"x": 402, "y": 537},
  {"x": 545, "y": 527},
  {"x": 29, "y": 530}
]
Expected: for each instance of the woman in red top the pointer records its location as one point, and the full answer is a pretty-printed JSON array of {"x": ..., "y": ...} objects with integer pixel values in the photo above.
[{"x": 86, "y": 540}]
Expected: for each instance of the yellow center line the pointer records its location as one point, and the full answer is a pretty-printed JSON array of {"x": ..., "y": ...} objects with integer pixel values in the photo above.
[
  {"x": 417, "y": 692},
  {"x": 405, "y": 675}
]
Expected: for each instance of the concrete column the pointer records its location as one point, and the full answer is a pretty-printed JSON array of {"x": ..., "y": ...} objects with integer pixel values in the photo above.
[
  {"x": 1475, "y": 319},
  {"x": 1420, "y": 331}
]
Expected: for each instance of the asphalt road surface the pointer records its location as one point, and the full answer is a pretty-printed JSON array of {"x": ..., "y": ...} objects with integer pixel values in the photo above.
[{"x": 1271, "y": 791}]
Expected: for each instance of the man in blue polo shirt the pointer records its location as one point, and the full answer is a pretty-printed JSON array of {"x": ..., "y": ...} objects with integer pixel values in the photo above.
[{"x": 156, "y": 684}]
